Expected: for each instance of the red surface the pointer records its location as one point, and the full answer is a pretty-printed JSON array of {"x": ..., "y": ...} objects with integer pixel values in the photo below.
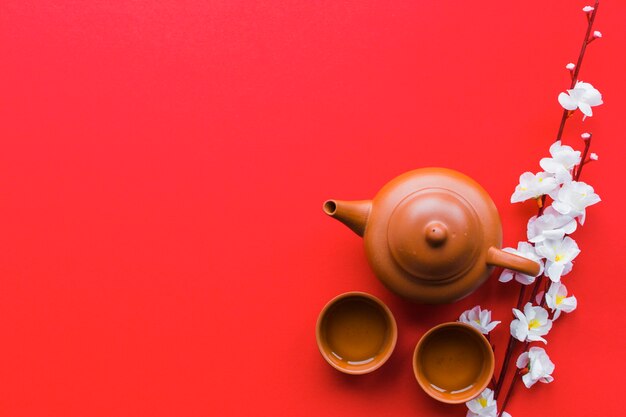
[{"x": 163, "y": 165}]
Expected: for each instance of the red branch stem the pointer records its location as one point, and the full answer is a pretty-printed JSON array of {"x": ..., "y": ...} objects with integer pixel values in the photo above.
[
  {"x": 583, "y": 159},
  {"x": 579, "y": 63},
  {"x": 509, "y": 392},
  {"x": 509, "y": 348},
  {"x": 590, "y": 19}
]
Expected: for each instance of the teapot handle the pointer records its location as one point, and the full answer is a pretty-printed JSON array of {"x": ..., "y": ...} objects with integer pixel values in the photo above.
[{"x": 498, "y": 257}]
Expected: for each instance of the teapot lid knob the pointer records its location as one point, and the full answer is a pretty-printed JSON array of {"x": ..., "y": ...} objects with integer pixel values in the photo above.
[{"x": 436, "y": 233}]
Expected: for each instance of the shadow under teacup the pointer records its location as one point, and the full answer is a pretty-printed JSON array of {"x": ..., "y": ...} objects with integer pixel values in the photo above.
[
  {"x": 356, "y": 333},
  {"x": 453, "y": 362}
]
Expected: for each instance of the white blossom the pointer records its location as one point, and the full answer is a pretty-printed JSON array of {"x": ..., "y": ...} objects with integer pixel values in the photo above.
[
  {"x": 525, "y": 250},
  {"x": 573, "y": 198},
  {"x": 538, "y": 365},
  {"x": 583, "y": 96},
  {"x": 593, "y": 156},
  {"x": 479, "y": 319},
  {"x": 559, "y": 255},
  {"x": 482, "y": 406},
  {"x": 563, "y": 160},
  {"x": 531, "y": 324},
  {"x": 558, "y": 301},
  {"x": 550, "y": 225},
  {"x": 570, "y": 66},
  {"x": 533, "y": 186}
]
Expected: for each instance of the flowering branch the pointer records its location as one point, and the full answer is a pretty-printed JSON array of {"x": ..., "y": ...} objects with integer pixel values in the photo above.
[
  {"x": 591, "y": 17},
  {"x": 587, "y": 138},
  {"x": 511, "y": 344},
  {"x": 549, "y": 244}
]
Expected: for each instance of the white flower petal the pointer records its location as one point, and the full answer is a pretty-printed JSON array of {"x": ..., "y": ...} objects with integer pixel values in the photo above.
[
  {"x": 561, "y": 207},
  {"x": 585, "y": 108},
  {"x": 554, "y": 271},
  {"x": 549, "y": 165},
  {"x": 554, "y": 234},
  {"x": 570, "y": 227},
  {"x": 527, "y": 380},
  {"x": 519, "y": 330},
  {"x": 594, "y": 99},
  {"x": 567, "y": 102},
  {"x": 522, "y": 360},
  {"x": 506, "y": 275}
]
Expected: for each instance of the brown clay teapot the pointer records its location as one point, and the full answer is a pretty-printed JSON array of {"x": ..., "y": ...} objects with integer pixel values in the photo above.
[{"x": 432, "y": 235}]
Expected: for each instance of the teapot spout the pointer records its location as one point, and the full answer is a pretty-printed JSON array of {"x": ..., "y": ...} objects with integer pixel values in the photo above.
[{"x": 353, "y": 214}]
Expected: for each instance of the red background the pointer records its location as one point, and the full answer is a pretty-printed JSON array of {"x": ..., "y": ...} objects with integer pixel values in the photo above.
[{"x": 163, "y": 251}]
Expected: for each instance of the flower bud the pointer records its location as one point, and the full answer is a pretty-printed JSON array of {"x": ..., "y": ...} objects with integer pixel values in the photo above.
[
  {"x": 588, "y": 9},
  {"x": 593, "y": 156},
  {"x": 597, "y": 34},
  {"x": 586, "y": 136},
  {"x": 570, "y": 66}
]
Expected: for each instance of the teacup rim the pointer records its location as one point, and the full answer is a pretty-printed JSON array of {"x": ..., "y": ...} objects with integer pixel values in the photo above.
[
  {"x": 382, "y": 359},
  {"x": 477, "y": 391}
]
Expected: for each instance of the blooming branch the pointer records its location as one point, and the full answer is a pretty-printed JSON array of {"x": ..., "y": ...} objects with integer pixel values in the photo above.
[
  {"x": 583, "y": 96},
  {"x": 549, "y": 231}
]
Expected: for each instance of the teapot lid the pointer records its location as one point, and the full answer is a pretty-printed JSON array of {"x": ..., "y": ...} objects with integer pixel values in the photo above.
[
  {"x": 434, "y": 234},
  {"x": 428, "y": 234}
]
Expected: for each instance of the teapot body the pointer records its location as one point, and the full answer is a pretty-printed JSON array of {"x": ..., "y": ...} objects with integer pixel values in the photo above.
[
  {"x": 427, "y": 234},
  {"x": 431, "y": 235}
]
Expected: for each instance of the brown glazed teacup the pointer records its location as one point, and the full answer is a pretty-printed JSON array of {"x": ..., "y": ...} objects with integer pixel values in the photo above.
[
  {"x": 356, "y": 333},
  {"x": 453, "y": 362}
]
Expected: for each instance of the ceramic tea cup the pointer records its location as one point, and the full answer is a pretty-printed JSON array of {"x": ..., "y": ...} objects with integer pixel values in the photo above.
[
  {"x": 453, "y": 362},
  {"x": 356, "y": 333}
]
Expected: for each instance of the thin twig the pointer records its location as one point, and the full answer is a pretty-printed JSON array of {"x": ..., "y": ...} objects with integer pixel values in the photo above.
[
  {"x": 507, "y": 355},
  {"x": 579, "y": 63},
  {"x": 505, "y": 365},
  {"x": 583, "y": 159},
  {"x": 564, "y": 117},
  {"x": 508, "y": 393}
]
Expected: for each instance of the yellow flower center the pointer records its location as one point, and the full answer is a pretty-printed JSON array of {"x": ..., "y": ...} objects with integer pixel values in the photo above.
[
  {"x": 533, "y": 324},
  {"x": 482, "y": 402},
  {"x": 523, "y": 188},
  {"x": 540, "y": 179},
  {"x": 559, "y": 299},
  {"x": 558, "y": 257}
]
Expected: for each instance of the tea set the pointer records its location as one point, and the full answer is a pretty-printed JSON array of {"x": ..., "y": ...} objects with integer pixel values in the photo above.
[{"x": 431, "y": 235}]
